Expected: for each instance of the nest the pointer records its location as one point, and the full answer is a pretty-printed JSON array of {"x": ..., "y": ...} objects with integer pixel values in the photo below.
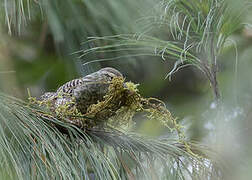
[{"x": 117, "y": 109}]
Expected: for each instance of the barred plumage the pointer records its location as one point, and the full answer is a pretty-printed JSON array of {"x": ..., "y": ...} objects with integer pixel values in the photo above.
[
  {"x": 69, "y": 86},
  {"x": 86, "y": 90}
]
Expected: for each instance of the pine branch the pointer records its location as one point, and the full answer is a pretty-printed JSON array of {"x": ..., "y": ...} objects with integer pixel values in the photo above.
[{"x": 39, "y": 147}]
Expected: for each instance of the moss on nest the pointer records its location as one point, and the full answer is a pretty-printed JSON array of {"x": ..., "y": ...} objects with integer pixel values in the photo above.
[{"x": 117, "y": 108}]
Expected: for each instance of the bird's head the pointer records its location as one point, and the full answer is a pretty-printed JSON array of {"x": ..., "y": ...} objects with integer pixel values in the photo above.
[{"x": 110, "y": 72}]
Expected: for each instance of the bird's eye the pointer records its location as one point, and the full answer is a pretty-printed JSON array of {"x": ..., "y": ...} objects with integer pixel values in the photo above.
[{"x": 109, "y": 77}]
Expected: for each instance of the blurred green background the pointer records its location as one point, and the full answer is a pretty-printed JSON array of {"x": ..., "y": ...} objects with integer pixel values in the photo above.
[{"x": 40, "y": 43}]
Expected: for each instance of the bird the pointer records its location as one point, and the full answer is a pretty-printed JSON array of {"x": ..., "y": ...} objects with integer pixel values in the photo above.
[{"x": 86, "y": 90}]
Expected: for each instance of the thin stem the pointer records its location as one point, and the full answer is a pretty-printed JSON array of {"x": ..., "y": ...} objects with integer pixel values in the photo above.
[
  {"x": 211, "y": 74},
  {"x": 215, "y": 86},
  {"x": 213, "y": 71}
]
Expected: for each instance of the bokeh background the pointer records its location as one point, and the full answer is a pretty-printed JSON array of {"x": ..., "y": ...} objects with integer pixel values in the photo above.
[{"x": 40, "y": 48}]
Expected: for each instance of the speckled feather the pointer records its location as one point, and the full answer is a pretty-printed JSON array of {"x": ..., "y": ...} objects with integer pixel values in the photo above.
[{"x": 86, "y": 90}]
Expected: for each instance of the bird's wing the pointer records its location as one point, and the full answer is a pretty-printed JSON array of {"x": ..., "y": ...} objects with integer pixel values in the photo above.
[
  {"x": 69, "y": 86},
  {"x": 91, "y": 79}
]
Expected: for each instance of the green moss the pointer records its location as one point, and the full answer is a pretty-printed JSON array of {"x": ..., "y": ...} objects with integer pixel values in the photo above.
[{"x": 117, "y": 108}]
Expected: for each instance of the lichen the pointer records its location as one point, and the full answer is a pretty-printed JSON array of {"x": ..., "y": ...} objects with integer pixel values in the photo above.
[{"x": 117, "y": 108}]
